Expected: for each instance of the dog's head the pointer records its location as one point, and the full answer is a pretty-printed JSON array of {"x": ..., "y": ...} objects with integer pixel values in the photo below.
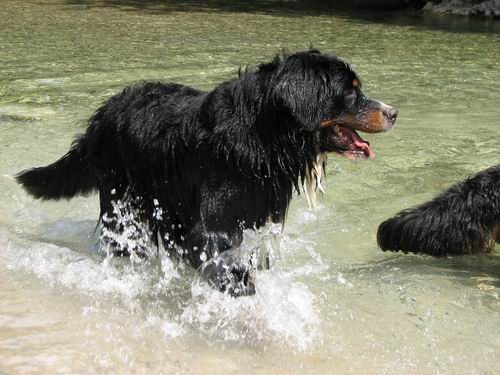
[{"x": 321, "y": 92}]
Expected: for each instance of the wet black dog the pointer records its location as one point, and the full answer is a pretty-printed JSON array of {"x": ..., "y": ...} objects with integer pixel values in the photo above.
[
  {"x": 465, "y": 219},
  {"x": 196, "y": 168}
]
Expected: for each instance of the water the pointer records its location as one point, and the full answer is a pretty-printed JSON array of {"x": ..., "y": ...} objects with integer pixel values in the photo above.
[{"x": 333, "y": 302}]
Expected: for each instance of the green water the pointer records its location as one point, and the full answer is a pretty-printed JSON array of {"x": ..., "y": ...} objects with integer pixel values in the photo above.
[{"x": 334, "y": 303}]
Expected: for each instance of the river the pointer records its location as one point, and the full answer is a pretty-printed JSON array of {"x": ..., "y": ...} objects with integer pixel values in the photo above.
[{"x": 333, "y": 303}]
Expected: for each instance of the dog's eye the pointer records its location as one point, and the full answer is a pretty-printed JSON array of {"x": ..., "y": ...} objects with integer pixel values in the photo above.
[{"x": 349, "y": 97}]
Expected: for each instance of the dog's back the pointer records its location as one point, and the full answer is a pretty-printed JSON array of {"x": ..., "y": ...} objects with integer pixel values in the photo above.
[{"x": 126, "y": 129}]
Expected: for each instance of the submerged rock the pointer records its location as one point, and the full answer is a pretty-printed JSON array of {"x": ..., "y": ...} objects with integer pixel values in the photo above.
[{"x": 485, "y": 8}]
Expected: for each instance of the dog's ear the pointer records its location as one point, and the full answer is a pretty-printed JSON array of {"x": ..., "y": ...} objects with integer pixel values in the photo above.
[{"x": 302, "y": 98}]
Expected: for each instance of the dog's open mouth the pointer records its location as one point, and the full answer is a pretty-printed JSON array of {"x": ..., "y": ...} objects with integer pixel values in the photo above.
[
  {"x": 345, "y": 141},
  {"x": 351, "y": 144}
]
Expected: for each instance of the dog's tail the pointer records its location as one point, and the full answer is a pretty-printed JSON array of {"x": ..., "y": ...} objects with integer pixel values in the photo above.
[
  {"x": 414, "y": 230},
  {"x": 70, "y": 175},
  {"x": 434, "y": 230},
  {"x": 464, "y": 219}
]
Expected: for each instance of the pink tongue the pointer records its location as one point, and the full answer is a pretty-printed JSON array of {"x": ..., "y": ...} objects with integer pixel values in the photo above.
[
  {"x": 365, "y": 147},
  {"x": 359, "y": 143}
]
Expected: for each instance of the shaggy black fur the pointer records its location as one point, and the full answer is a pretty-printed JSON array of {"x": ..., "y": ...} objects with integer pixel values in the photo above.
[
  {"x": 465, "y": 219},
  {"x": 196, "y": 168}
]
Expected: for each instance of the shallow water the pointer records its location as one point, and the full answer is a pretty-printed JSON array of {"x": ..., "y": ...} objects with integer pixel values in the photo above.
[{"x": 333, "y": 302}]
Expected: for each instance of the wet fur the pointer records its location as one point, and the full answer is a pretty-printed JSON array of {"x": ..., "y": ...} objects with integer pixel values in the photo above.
[
  {"x": 465, "y": 219},
  {"x": 212, "y": 163}
]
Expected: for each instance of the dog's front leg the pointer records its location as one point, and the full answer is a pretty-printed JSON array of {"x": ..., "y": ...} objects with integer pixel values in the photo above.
[
  {"x": 217, "y": 231},
  {"x": 232, "y": 277},
  {"x": 209, "y": 251}
]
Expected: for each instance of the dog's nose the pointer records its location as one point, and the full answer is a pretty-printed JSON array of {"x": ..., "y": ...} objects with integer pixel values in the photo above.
[{"x": 391, "y": 113}]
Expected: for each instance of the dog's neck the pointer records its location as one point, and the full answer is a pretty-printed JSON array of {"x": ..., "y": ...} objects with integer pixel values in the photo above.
[{"x": 278, "y": 152}]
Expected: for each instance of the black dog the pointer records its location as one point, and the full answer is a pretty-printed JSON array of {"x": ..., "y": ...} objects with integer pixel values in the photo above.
[
  {"x": 465, "y": 219},
  {"x": 197, "y": 168}
]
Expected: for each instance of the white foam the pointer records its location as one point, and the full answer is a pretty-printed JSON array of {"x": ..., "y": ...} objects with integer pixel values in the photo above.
[{"x": 283, "y": 310}]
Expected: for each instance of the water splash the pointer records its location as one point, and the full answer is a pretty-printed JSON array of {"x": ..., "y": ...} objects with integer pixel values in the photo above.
[
  {"x": 169, "y": 296},
  {"x": 283, "y": 309},
  {"x": 124, "y": 231}
]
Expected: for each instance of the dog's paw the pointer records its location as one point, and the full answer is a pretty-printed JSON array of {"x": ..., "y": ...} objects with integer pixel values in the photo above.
[
  {"x": 235, "y": 279},
  {"x": 238, "y": 280}
]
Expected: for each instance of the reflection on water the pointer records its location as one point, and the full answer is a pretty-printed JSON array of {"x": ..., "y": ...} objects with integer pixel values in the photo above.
[{"x": 332, "y": 302}]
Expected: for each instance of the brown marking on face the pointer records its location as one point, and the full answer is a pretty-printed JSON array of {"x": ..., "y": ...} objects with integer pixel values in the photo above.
[
  {"x": 327, "y": 123},
  {"x": 350, "y": 121},
  {"x": 374, "y": 123},
  {"x": 371, "y": 122},
  {"x": 355, "y": 83}
]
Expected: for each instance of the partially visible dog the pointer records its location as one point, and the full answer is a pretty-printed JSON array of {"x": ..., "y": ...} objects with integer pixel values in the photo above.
[
  {"x": 194, "y": 169},
  {"x": 465, "y": 219}
]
